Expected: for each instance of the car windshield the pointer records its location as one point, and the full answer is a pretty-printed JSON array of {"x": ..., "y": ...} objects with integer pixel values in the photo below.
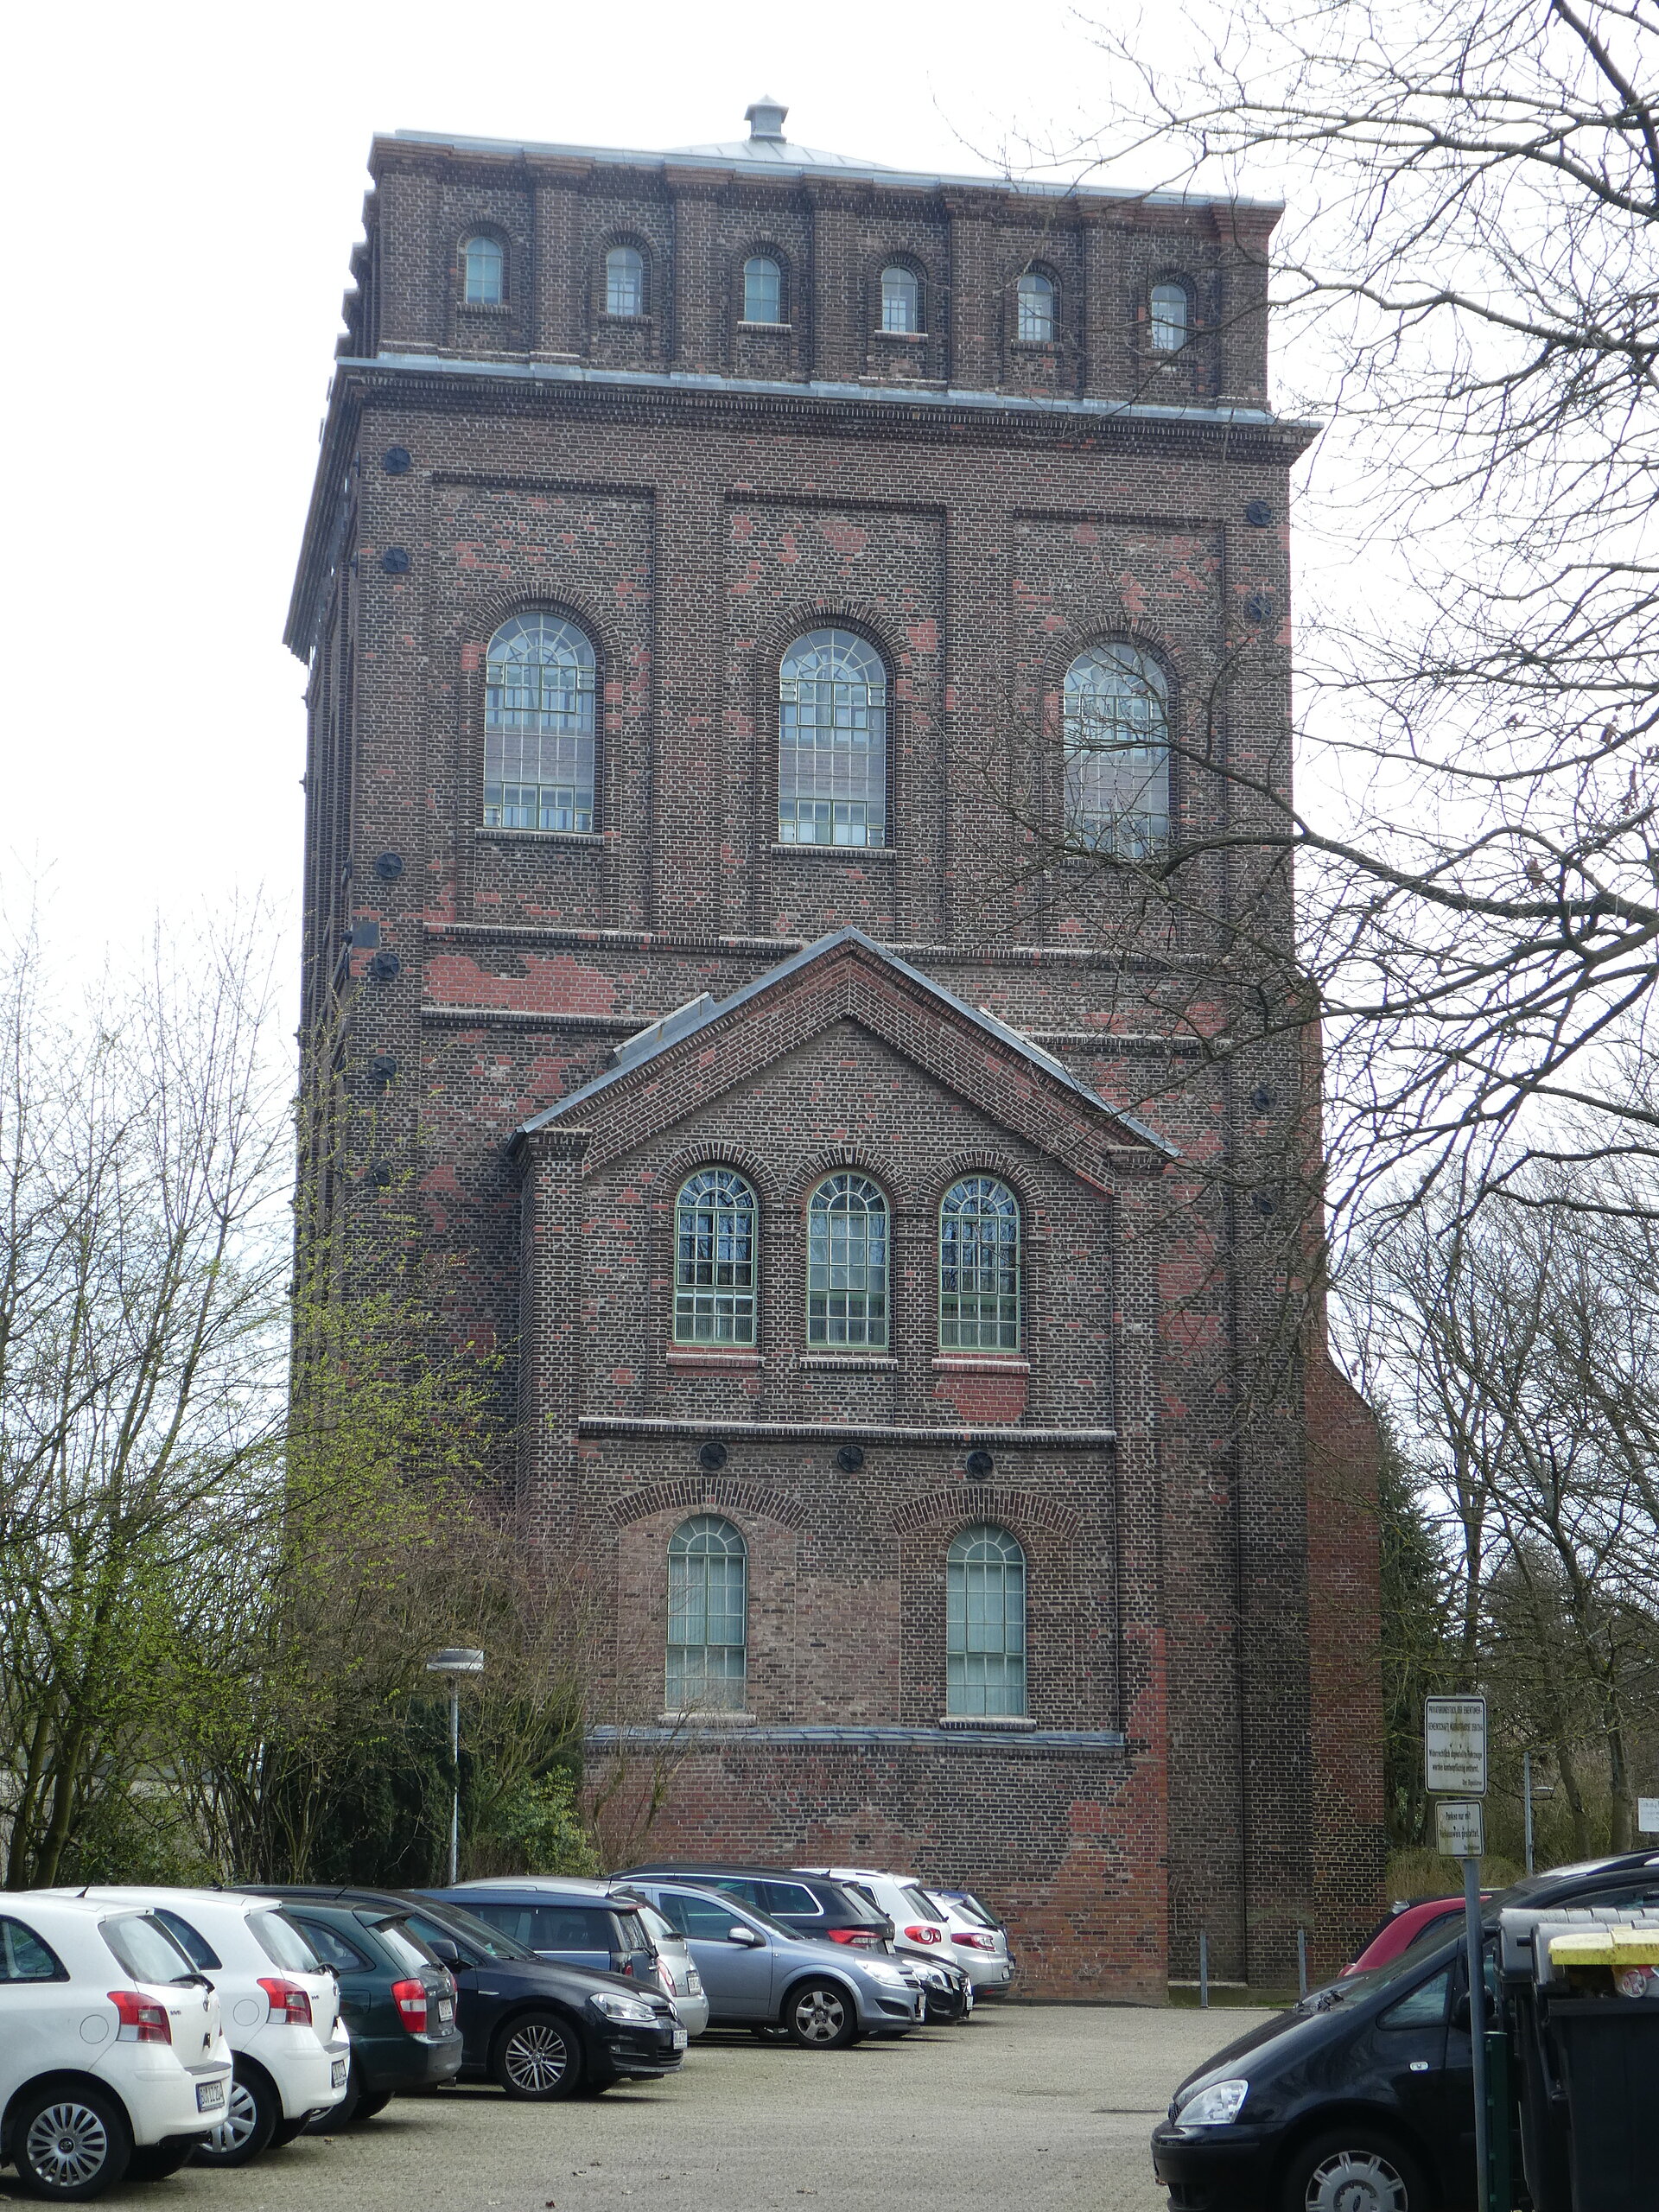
[
  {"x": 656, "y": 1927},
  {"x": 922, "y": 1905},
  {"x": 405, "y": 1950},
  {"x": 283, "y": 1943},
  {"x": 146, "y": 1950}
]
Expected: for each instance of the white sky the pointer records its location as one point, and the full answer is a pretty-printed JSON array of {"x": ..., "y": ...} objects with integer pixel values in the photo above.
[{"x": 187, "y": 181}]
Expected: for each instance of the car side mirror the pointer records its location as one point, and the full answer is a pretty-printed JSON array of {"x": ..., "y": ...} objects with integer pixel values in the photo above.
[
  {"x": 749, "y": 1937},
  {"x": 446, "y": 1954},
  {"x": 1460, "y": 2014}
]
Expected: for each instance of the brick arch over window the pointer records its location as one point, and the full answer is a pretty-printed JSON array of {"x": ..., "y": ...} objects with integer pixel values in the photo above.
[
  {"x": 699, "y": 1493},
  {"x": 1024, "y": 1513},
  {"x": 902, "y": 1195},
  {"x": 667, "y": 1173}
]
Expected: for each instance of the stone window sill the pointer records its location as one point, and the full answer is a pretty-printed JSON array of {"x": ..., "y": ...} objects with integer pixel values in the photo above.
[
  {"x": 484, "y": 306},
  {"x": 850, "y": 1362},
  {"x": 594, "y": 837},
  {"x": 900, "y": 337},
  {"x": 981, "y": 1362},
  {"x": 697, "y": 1717},
  {"x": 776, "y": 329},
  {"x": 712, "y": 1358},
  {"x": 999, "y": 1721},
  {"x": 839, "y": 852}
]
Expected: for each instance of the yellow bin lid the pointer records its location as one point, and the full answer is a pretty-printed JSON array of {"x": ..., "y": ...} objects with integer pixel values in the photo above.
[{"x": 1607, "y": 1947}]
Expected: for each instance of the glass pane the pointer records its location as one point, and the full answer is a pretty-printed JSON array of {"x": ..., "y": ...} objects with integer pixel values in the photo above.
[
  {"x": 847, "y": 1263},
  {"x": 539, "y": 678},
  {"x": 713, "y": 1294},
  {"x": 483, "y": 261},
  {"x": 23, "y": 1957},
  {"x": 625, "y": 282},
  {"x": 763, "y": 291},
  {"x": 1169, "y": 314},
  {"x": 985, "y": 1624},
  {"x": 979, "y": 1267},
  {"x": 832, "y": 742},
  {"x": 1116, "y": 751},
  {"x": 901, "y": 300},
  {"x": 1036, "y": 301},
  {"x": 707, "y": 1597}
]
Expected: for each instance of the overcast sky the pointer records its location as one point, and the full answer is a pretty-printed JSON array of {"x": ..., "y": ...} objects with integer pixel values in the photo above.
[{"x": 192, "y": 180}]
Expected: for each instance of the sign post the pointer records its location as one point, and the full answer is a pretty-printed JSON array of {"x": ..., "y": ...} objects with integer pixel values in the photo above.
[{"x": 1454, "y": 1768}]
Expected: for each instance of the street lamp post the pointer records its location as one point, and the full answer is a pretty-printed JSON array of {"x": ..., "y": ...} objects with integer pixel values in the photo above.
[
  {"x": 460, "y": 1659},
  {"x": 1530, "y": 1790}
]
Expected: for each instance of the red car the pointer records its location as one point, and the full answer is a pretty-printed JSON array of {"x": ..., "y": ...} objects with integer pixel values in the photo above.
[{"x": 1401, "y": 1929}]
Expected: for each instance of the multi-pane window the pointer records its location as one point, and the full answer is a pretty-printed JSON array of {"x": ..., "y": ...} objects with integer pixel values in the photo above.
[
  {"x": 483, "y": 272},
  {"x": 985, "y": 1624},
  {"x": 538, "y": 726},
  {"x": 847, "y": 1263},
  {"x": 762, "y": 290},
  {"x": 713, "y": 1264},
  {"x": 707, "y": 1602},
  {"x": 1170, "y": 315},
  {"x": 832, "y": 741},
  {"x": 901, "y": 299},
  {"x": 1116, "y": 751},
  {"x": 979, "y": 1267},
  {"x": 625, "y": 280},
  {"x": 1035, "y": 300}
]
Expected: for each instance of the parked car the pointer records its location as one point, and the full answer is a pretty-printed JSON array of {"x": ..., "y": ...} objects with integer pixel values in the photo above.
[
  {"x": 398, "y": 2006},
  {"x": 102, "y": 2083},
  {"x": 591, "y": 1924},
  {"x": 920, "y": 1934},
  {"x": 538, "y": 2028},
  {"x": 1362, "y": 2093},
  {"x": 1403, "y": 1927},
  {"x": 977, "y": 1945},
  {"x": 281, "y": 2009},
  {"x": 809, "y": 1904},
  {"x": 760, "y": 1975}
]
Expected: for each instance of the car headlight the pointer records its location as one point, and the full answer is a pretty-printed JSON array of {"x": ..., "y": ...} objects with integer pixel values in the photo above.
[
  {"x": 877, "y": 1970},
  {"x": 634, "y": 2011},
  {"x": 1214, "y": 2106}
]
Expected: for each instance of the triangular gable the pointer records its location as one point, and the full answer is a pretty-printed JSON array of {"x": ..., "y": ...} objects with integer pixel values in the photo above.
[{"x": 664, "y": 1075}]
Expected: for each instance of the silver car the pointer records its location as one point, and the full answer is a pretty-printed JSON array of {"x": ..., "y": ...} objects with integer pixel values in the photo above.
[{"x": 758, "y": 1974}]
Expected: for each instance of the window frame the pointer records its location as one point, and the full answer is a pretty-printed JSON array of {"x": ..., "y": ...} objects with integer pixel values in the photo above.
[
  {"x": 1047, "y": 336},
  {"x": 787, "y": 702},
  {"x": 1180, "y": 288},
  {"x": 767, "y": 257},
  {"x": 578, "y": 726},
  {"x": 960, "y": 1699},
  {"x": 641, "y": 311},
  {"x": 686, "y": 1294},
  {"x": 820, "y": 1326},
  {"x": 1115, "y": 834},
  {"x": 1000, "y": 1321},
  {"x": 694, "y": 1528},
  {"x": 899, "y": 266},
  {"x": 498, "y": 247}
]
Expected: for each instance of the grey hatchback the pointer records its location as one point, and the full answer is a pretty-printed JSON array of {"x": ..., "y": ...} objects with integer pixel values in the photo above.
[{"x": 758, "y": 1974}]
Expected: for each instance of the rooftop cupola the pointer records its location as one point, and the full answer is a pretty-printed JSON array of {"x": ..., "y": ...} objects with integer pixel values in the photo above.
[{"x": 765, "y": 118}]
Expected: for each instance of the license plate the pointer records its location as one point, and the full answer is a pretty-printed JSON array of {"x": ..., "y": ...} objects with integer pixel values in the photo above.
[
  {"x": 446, "y": 2010},
  {"x": 681, "y": 2039},
  {"x": 210, "y": 2096},
  {"x": 337, "y": 2076}
]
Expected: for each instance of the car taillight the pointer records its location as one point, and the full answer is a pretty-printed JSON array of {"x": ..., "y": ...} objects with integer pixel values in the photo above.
[
  {"x": 921, "y": 1934},
  {"x": 861, "y": 1939},
  {"x": 290, "y": 2003},
  {"x": 410, "y": 1999},
  {"x": 142, "y": 2020},
  {"x": 970, "y": 1942}
]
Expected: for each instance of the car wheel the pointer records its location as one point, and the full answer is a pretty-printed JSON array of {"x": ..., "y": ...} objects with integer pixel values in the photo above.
[
  {"x": 155, "y": 2161},
  {"x": 538, "y": 2056},
  {"x": 70, "y": 2143},
  {"x": 819, "y": 2016},
  {"x": 1352, "y": 2171},
  {"x": 368, "y": 2106},
  {"x": 252, "y": 2115}
]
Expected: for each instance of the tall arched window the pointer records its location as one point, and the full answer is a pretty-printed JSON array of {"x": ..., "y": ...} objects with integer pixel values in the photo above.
[
  {"x": 714, "y": 1263},
  {"x": 1117, "y": 750},
  {"x": 538, "y": 726},
  {"x": 847, "y": 1263},
  {"x": 1036, "y": 304},
  {"x": 625, "y": 280},
  {"x": 708, "y": 1606},
  {"x": 902, "y": 298},
  {"x": 763, "y": 289},
  {"x": 985, "y": 1624},
  {"x": 832, "y": 741},
  {"x": 979, "y": 1267},
  {"x": 483, "y": 272},
  {"x": 1171, "y": 315}
]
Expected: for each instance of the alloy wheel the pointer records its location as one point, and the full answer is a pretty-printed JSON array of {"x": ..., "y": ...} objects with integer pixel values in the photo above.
[
  {"x": 820, "y": 2016},
  {"x": 537, "y": 2057},
  {"x": 1357, "y": 2181},
  {"x": 67, "y": 2144},
  {"x": 241, "y": 2118}
]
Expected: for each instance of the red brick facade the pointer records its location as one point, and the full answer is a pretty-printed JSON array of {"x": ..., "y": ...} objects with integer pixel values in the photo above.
[{"x": 693, "y": 493}]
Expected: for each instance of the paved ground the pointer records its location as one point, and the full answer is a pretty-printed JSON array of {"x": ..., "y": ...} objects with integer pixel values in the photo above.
[{"x": 1043, "y": 2108}]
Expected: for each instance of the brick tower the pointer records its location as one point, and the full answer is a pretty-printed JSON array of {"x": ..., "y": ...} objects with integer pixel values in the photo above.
[{"x": 723, "y": 568}]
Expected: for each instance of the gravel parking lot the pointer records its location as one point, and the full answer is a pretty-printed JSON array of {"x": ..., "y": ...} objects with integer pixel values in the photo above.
[{"x": 1037, "y": 2106}]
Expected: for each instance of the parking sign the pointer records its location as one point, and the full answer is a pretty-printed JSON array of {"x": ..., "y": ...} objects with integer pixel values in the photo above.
[
  {"x": 1459, "y": 1828},
  {"x": 1454, "y": 1745}
]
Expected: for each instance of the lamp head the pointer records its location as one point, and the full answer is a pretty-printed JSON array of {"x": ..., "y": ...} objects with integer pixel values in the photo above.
[{"x": 458, "y": 1659}]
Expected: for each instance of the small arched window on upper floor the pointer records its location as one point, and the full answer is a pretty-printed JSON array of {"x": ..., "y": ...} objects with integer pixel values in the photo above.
[
  {"x": 715, "y": 1259},
  {"x": 484, "y": 271},
  {"x": 539, "y": 674},
  {"x": 979, "y": 1267},
  {"x": 846, "y": 1264},
  {"x": 763, "y": 289},
  {"x": 832, "y": 741},
  {"x": 901, "y": 299},
  {"x": 1116, "y": 744},
  {"x": 985, "y": 1624},
  {"x": 707, "y": 1610},
  {"x": 1035, "y": 300},
  {"x": 1171, "y": 322},
  {"x": 625, "y": 280}
]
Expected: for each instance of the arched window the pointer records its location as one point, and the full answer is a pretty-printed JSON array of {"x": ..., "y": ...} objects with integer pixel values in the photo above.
[
  {"x": 902, "y": 298},
  {"x": 832, "y": 741},
  {"x": 985, "y": 1624},
  {"x": 538, "y": 726},
  {"x": 762, "y": 290},
  {"x": 625, "y": 280},
  {"x": 714, "y": 1263},
  {"x": 847, "y": 1263},
  {"x": 1116, "y": 751},
  {"x": 979, "y": 1267},
  {"x": 1036, "y": 304},
  {"x": 708, "y": 1606},
  {"x": 483, "y": 271},
  {"x": 1171, "y": 315}
]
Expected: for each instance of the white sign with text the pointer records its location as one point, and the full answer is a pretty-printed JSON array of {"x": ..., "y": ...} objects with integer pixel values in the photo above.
[
  {"x": 1454, "y": 1745},
  {"x": 1460, "y": 1828}
]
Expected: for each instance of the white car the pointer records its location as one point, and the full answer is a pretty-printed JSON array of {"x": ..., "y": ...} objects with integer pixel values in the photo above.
[
  {"x": 291, "y": 2048},
  {"x": 977, "y": 1943},
  {"x": 920, "y": 1934},
  {"x": 113, "y": 2063}
]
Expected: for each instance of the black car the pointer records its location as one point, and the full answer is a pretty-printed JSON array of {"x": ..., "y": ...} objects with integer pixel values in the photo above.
[
  {"x": 398, "y": 2003},
  {"x": 809, "y": 1904},
  {"x": 540, "y": 2029},
  {"x": 1366, "y": 2085}
]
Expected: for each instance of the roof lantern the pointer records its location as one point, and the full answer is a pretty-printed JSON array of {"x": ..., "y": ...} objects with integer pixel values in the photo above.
[{"x": 765, "y": 118}]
